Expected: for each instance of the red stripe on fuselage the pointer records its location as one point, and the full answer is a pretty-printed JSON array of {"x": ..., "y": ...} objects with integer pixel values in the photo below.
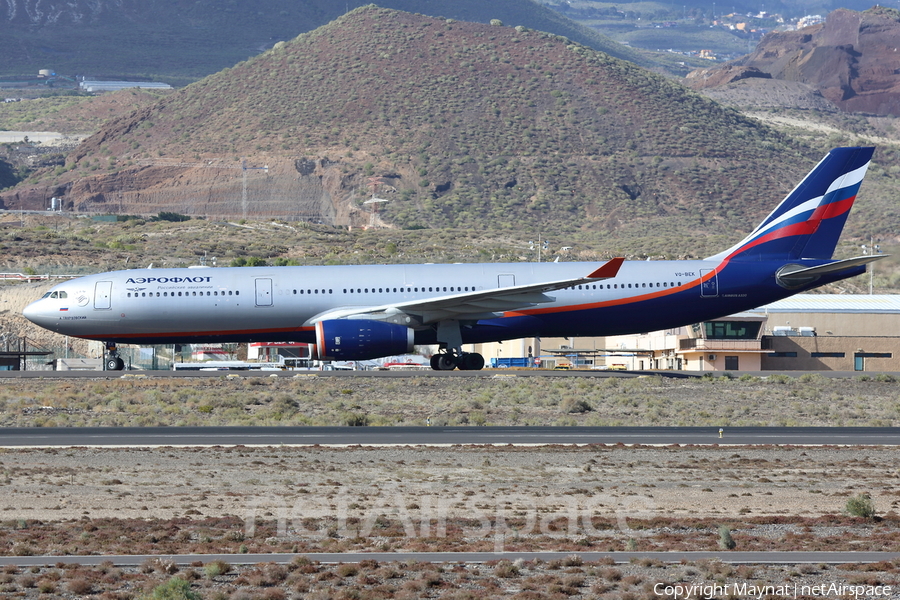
[
  {"x": 167, "y": 334},
  {"x": 609, "y": 303}
]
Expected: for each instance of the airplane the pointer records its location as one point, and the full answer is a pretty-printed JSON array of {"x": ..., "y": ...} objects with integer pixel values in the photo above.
[{"x": 364, "y": 312}]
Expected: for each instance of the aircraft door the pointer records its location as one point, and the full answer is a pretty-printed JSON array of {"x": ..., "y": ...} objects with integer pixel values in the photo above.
[
  {"x": 103, "y": 295},
  {"x": 264, "y": 292},
  {"x": 710, "y": 287},
  {"x": 506, "y": 280}
]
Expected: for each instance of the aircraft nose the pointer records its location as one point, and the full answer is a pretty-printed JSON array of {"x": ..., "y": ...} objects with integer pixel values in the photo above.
[{"x": 34, "y": 314}]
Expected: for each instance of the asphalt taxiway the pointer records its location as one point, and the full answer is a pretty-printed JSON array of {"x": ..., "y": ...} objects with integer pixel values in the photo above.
[{"x": 439, "y": 436}]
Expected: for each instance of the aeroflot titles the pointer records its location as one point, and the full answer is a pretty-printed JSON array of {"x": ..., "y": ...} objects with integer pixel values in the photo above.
[{"x": 168, "y": 280}]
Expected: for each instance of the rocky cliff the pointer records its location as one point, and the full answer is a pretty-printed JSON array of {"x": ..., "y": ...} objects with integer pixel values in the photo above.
[{"x": 853, "y": 60}]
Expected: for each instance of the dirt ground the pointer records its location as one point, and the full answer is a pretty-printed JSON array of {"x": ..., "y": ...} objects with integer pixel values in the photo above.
[
  {"x": 390, "y": 499},
  {"x": 420, "y": 484}
]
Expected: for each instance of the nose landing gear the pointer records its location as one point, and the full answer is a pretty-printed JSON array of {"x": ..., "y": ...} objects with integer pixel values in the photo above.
[{"x": 113, "y": 361}]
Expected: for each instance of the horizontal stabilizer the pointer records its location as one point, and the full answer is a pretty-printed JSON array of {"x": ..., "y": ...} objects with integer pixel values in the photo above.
[{"x": 795, "y": 275}]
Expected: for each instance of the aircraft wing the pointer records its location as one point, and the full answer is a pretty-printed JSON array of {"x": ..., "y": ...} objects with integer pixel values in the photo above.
[{"x": 480, "y": 304}]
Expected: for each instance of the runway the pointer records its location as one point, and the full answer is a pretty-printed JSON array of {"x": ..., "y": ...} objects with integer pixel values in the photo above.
[{"x": 437, "y": 436}]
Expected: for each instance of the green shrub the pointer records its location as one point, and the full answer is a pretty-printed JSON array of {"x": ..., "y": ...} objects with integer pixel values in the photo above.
[
  {"x": 860, "y": 505},
  {"x": 811, "y": 378},
  {"x": 216, "y": 568},
  {"x": 174, "y": 589},
  {"x": 575, "y": 405},
  {"x": 171, "y": 217},
  {"x": 725, "y": 540},
  {"x": 356, "y": 420}
]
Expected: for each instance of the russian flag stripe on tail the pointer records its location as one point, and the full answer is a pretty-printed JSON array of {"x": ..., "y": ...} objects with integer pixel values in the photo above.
[{"x": 809, "y": 221}]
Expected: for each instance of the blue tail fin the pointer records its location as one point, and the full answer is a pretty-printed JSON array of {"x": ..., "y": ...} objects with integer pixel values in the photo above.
[{"x": 809, "y": 221}]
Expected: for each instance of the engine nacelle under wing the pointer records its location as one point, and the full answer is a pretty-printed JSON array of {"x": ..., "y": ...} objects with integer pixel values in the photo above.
[{"x": 360, "y": 339}]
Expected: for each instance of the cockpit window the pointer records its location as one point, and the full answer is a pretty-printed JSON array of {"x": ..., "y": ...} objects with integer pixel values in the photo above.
[
  {"x": 47, "y": 295},
  {"x": 57, "y": 294},
  {"x": 63, "y": 295}
]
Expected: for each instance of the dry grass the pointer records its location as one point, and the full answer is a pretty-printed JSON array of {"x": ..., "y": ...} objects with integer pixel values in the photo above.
[
  {"x": 485, "y": 400},
  {"x": 370, "y": 579}
]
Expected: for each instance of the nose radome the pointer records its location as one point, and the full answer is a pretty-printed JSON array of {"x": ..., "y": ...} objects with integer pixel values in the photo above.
[{"x": 33, "y": 313}]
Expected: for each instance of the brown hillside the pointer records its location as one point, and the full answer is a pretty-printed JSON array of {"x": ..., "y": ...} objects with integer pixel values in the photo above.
[
  {"x": 74, "y": 114},
  {"x": 851, "y": 59},
  {"x": 466, "y": 125}
]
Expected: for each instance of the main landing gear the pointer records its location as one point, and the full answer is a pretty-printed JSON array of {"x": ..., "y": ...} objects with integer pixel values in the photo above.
[
  {"x": 113, "y": 361},
  {"x": 467, "y": 361},
  {"x": 451, "y": 356}
]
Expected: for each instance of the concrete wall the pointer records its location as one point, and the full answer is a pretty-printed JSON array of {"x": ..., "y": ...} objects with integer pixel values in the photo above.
[
  {"x": 838, "y": 323},
  {"x": 850, "y": 346}
]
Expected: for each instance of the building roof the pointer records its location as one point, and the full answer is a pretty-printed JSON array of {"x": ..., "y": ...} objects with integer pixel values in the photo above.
[
  {"x": 834, "y": 303},
  {"x": 112, "y": 86}
]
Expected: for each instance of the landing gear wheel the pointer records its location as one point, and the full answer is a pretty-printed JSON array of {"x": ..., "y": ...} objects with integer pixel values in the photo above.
[
  {"x": 471, "y": 361},
  {"x": 443, "y": 362},
  {"x": 113, "y": 362}
]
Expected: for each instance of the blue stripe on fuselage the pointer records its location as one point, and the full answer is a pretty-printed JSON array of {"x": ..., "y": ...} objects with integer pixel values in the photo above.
[{"x": 741, "y": 287}]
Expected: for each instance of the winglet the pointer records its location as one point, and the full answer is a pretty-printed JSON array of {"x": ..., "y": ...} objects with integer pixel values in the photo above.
[{"x": 608, "y": 270}]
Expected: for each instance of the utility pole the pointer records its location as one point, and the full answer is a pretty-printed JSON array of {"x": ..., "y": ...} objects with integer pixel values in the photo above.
[
  {"x": 541, "y": 245},
  {"x": 873, "y": 249}
]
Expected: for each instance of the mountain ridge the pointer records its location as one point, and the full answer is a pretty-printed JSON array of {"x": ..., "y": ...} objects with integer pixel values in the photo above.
[
  {"x": 180, "y": 41},
  {"x": 467, "y": 125}
]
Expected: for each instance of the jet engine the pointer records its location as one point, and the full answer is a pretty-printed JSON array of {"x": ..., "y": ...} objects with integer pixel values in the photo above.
[{"x": 356, "y": 339}]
